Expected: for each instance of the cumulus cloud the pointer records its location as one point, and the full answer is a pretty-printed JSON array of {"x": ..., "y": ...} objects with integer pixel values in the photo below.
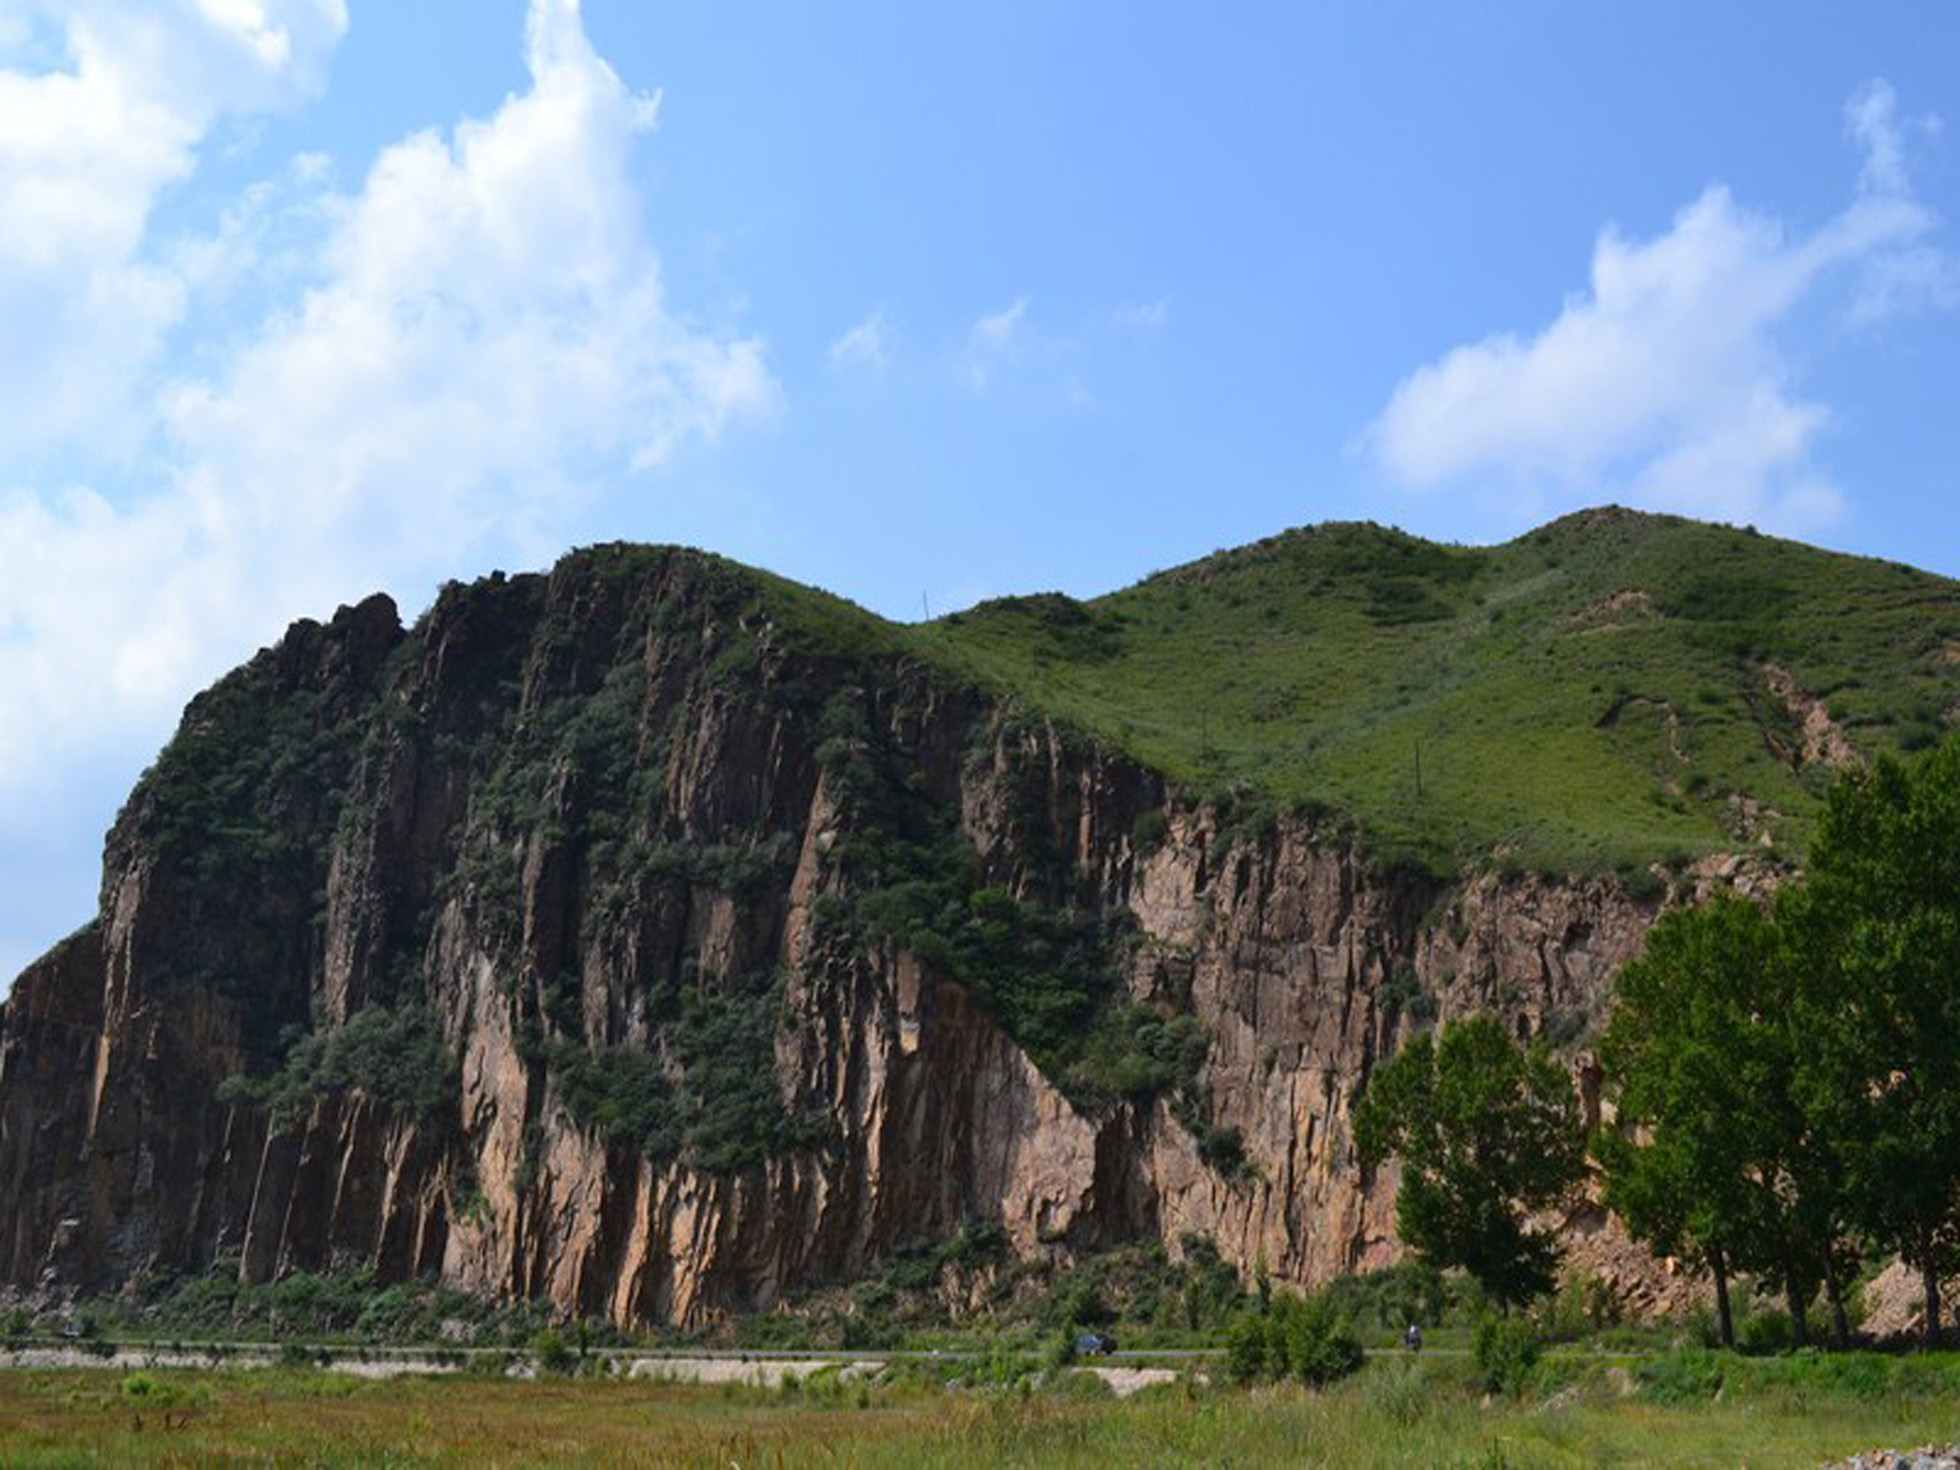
[
  {"x": 96, "y": 120},
  {"x": 483, "y": 340},
  {"x": 863, "y": 346},
  {"x": 1667, "y": 382}
]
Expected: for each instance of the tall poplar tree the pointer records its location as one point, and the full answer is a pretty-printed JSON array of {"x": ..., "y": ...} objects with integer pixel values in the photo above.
[
  {"x": 1488, "y": 1133},
  {"x": 1880, "y": 924},
  {"x": 1714, "y": 1156}
]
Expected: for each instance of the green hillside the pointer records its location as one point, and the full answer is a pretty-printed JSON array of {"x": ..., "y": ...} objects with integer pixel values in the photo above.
[{"x": 1594, "y": 694}]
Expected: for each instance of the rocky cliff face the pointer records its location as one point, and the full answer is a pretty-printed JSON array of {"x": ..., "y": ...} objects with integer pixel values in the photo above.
[{"x": 638, "y": 938}]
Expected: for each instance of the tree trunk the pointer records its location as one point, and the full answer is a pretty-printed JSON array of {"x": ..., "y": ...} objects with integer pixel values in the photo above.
[
  {"x": 1929, "y": 1281},
  {"x": 1794, "y": 1294},
  {"x": 1834, "y": 1288},
  {"x": 1724, "y": 1320}
]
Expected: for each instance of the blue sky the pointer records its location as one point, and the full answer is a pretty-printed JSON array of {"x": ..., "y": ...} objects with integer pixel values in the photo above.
[{"x": 304, "y": 298}]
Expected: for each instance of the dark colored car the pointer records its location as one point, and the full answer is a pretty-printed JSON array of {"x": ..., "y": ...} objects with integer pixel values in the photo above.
[{"x": 1094, "y": 1344}]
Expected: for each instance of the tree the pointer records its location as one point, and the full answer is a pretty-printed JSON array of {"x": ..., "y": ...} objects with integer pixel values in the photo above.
[
  {"x": 1715, "y": 1158},
  {"x": 1488, "y": 1132},
  {"x": 1879, "y": 925}
]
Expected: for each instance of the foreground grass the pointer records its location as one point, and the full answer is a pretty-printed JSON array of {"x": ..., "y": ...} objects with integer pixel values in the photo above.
[{"x": 1396, "y": 1413}]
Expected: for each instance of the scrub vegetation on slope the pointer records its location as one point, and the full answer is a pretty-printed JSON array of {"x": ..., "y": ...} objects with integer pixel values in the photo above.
[{"x": 1610, "y": 690}]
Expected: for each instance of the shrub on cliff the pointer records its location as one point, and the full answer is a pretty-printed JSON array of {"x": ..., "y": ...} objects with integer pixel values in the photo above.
[
  {"x": 395, "y": 1055},
  {"x": 709, "y": 1096}
]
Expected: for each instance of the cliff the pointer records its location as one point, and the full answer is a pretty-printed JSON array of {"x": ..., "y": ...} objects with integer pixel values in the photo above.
[{"x": 658, "y": 937}]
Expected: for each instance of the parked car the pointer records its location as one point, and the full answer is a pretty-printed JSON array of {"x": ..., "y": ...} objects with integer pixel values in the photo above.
[{"x": 1094, "y": 1344}]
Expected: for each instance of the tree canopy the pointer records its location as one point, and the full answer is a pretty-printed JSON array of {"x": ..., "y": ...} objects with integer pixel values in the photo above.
[
  {"x": 1488, "y": 1133},
  {"x": 1788, "y": 1075},
  {"x": 1714, "y": 1157},
  {"x": 1879, "y": 926}
]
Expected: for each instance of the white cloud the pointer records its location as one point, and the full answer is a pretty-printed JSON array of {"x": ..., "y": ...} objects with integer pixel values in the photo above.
[
  {"x": 1871, "y": 118},
  {"x": 996, "y": 332},
  {"x": 1667, "y": 383},
  {"x": 992, "y": 340},
  {"x": 863, "y": 346},
  {"x": 88, "y": 141},
  {"x": 483, "y": 339}
]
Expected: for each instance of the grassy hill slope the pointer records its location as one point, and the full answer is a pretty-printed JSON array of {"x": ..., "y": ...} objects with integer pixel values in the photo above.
[{"x": 1605, "y": 691}]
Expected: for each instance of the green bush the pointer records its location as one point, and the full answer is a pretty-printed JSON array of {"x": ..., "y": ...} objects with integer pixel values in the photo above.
[
  {"x": 863, "y": 1332},
  {"x": 396, "y": 1055},
  {"x": 1083, "y": 1305},
  {"x": 1209, "y": 1285},
  {"x": 551, "y": 1352},
  {"x": 1399, "y": 1295},
  {"x": 1583, "y": 1304},
  {"x": 1508, "y": 1348},
  {"x": 1320, "y": 1346},
  {"x": 712, "y": 1097},
  {"x": 1765, "y": 1333},
  {"x": 304, "y": 1306},
  {"x": 1061, "y": 1350},
  {"x": 621, "y": 1092},
  {"x": 1303, "y": 1339},
  {"x": 146, "y": 1391},
  {"x": 1247, "y": 1357}
]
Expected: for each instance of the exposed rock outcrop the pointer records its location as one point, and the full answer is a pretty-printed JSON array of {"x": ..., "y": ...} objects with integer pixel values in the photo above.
[{"x": 561, "y": 810}]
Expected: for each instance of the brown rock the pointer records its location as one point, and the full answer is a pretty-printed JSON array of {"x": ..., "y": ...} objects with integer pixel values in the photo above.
[{"x": 394, "y": 874}]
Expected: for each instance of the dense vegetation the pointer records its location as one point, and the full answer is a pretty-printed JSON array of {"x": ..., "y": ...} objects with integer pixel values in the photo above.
[
  {"x": 1785, "y": 1075},
  {"x": 1794, "y": 1067},
  {"x": 395, "y": 1055},
  {"x": 710, "y": 1098},
  {"x": 1292, "y": 1337},
  {"x": 1050, "y": 974}
]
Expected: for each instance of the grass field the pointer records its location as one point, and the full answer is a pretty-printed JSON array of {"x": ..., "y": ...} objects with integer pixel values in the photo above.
[{"x": 1396, "y": 1413}]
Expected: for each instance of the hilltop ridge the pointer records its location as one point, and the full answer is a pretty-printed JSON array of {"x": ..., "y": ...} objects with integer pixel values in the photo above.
[{"x": 1608, "y": 690}]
